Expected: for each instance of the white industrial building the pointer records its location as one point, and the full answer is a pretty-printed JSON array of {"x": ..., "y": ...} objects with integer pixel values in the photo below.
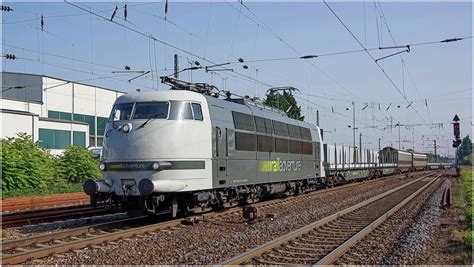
[{"x": 55, "y": 112}]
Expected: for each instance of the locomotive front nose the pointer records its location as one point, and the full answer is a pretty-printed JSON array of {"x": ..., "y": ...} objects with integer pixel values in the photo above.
[
  {"x": 92, "y": 187},
  {"x": 147, "y": 186}
]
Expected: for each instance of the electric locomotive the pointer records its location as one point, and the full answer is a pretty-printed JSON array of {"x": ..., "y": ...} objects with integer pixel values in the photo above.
[{"x": 189, "y": 149}]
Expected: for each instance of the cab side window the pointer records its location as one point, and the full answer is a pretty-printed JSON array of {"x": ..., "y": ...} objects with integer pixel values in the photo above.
[
  {"x": 180, "y": 110},
  {"x": 197, "y": 111}
]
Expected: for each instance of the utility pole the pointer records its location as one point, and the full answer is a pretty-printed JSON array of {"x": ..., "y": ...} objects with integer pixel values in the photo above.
[
  {"x": 436, "y": 156},
  {"x": 317, "y": 118},
  {"x": 379, "y": 143},
  {"x": 399, "y": 142},
  {"x": 354, "y": 123},
  {"x": 176, "y": 68},
  {"x": 354, "y": 130},
  {"x": 360, "y": 147}
]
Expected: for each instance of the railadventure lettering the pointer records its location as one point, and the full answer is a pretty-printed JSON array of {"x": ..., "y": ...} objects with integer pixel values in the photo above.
[{"x": 279, "y": 165}]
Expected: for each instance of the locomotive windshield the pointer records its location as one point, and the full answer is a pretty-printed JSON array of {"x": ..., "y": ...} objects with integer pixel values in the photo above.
[
  {"x": 121, "y": 112},
  {"x": 147, "y": 110}
]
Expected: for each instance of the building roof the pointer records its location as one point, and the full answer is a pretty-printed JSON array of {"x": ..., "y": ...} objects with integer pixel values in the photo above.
[
  {"x": 62, "y": 121},
  {"x": 19, "y": 112},
  {"x": 76, "y": 82}
]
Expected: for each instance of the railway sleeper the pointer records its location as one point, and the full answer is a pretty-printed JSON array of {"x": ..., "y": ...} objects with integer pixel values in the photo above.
[
  {"x": 306, "y": 248},
  {"x": 297, "y": 253},
  {"x": 288, "y": 260},
  {"x": 320, "y": 243}
]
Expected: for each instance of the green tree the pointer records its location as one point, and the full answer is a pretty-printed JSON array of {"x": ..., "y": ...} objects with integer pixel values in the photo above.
[
  {"x": 465, "y": 150},
  {"x": 78, "y": 165},
  {"x": 283, "y": 102},
  {"x": 25, "y": 164}
]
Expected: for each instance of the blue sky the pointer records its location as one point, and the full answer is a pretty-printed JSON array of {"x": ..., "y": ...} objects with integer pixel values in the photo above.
[{"x": 78, "y": 46}]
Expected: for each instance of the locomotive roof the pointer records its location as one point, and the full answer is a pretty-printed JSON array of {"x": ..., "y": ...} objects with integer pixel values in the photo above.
[{"x": 244, "y": 105}]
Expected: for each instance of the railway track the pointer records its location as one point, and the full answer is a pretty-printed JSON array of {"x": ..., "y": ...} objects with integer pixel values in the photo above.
[
  {"x": 51, "y": 214},
  {"x": 324, "y": 241},
  {"x": 35, "y": 202},
  {"x": 18, "y": 251}
]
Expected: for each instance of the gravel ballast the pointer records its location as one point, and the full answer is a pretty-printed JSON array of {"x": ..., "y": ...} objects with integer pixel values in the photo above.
[{"x": 213, "y": 241}]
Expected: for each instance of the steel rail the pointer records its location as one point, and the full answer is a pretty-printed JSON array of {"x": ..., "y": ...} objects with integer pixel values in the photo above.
[
  {"x": 97, "y": 234},
  {"x": 247, "y": 256},
  {"x": 341, "y": 249},
  {"x": 29, "y": 217}
]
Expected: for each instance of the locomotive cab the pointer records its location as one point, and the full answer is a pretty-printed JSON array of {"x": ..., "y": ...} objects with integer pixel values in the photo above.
[{"x": 140, "y": 153}]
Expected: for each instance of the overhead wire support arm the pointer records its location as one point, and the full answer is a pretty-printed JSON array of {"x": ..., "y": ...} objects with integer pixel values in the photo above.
[
  {"x": 136, "y": 77},
  {"x": 394, "y": 54}
]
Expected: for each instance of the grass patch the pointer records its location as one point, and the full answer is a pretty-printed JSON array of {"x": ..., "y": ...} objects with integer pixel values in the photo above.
[
  {"x": 56, "y": 188},
  {"x": 465, "y": 199}
]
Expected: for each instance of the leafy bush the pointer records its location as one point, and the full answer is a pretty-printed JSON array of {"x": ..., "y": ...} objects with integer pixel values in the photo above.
[
  {"x": 53, "y": 188},
  {"x": 78, "y": 165},
  {"x": 29, "y": 169},
  {"x": 25, "y": 164},
  {"x": 466, "y": 199},
  {"x": 468, "y": 239}
]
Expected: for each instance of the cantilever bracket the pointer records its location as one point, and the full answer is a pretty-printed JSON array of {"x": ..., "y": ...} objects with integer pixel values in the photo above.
[{"x": 407, "y": 51}]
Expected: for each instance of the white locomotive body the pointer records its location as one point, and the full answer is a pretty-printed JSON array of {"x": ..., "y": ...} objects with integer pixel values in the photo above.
[{"x": 184, "y": 150}]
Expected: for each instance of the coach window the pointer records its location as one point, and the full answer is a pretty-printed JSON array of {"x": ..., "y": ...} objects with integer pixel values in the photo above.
[
  {"x": 180, "y": 110},
  {"x": 260, "y": 123},
  {"x": 295, "y": 147},
  {"x": 305, "y": 133},
  {"x": 294, "y": 131},
  {"x": 243, "y": 121},
  {"x": 268, "y": 126},
  {"x": 264, "y": 143},
  {"x": 281, "y": 145},
  {"x": 245, "y": 141},
  {"x": 280, "y": 128},
  {"x": 197, "y": 111},
  {"x": 307, "y": 148}
]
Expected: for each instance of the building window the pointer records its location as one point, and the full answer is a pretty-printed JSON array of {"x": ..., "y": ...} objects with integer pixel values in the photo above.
[
  {"x": 54, "y": 139},
  {"x": 243, "y": 121},
  {"x": 245, "y": 141},
  {"x": 100, "y": 140},
  {"x": 79, "y": 139},
  {"x": 281, "y": 145},
  {"x": 91, "y": 140},
  {"x": 59, "y": 115},
  {"x": 87, "y": 119},
  {"x": 101, "y": 124}
]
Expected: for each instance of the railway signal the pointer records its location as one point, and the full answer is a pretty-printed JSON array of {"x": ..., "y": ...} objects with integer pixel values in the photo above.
[{"x": 457, "y": 131}]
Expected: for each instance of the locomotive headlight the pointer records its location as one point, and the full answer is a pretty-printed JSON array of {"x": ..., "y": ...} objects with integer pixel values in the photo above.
[
  {"x": 102, "y": 166},
  {"x": 127, "y": 127},
  {"x": 155, "y": 166}
]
